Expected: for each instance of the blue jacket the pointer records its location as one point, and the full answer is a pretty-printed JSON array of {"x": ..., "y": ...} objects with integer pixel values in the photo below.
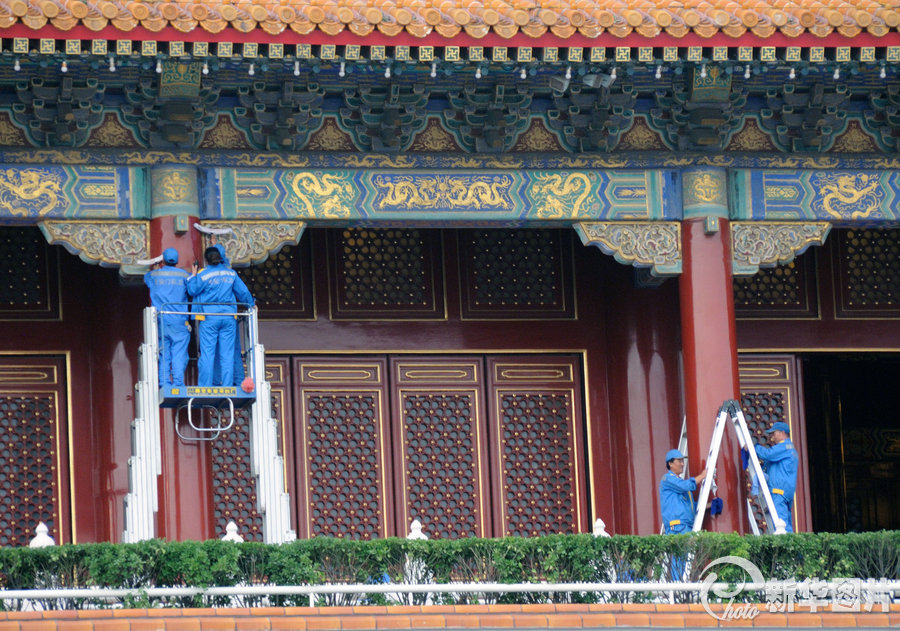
[
  {"x": 780, "y": 462},
  {"x": 168, "y": 291},
  {"x": 677, "y": 503},
  {"x": 218, "y": 284}
]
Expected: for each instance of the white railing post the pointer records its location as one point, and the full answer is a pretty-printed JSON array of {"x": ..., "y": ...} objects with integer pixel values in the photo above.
[
  {"x": 414, "y": 570},
  {"x": 600, "y": 528},
  {"x": 41, "y": 538},
  {"x": 231, "y": 533}
]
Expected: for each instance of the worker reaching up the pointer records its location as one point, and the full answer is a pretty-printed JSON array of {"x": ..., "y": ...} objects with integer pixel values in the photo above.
[
  {"x": 676, "y": 497},
  {"x": 238, "y": 355},
  {"x": 219, "y": 294}
]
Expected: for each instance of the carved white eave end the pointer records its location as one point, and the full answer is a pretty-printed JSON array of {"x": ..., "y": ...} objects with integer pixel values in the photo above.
[
  {"x": 252, "y": 242},
  {"x": 756, "y": 244},
  {"x": 652, "y": 244}
]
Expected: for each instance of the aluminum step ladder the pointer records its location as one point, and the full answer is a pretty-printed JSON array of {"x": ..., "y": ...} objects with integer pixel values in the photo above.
[{"x": 731, "y": 412}]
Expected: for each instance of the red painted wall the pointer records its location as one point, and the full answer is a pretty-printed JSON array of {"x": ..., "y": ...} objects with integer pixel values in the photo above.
[
  {"x": 99, "y": 333},
  {"x": 630, "y": 336},
  {"x": 643, "y": 340}
]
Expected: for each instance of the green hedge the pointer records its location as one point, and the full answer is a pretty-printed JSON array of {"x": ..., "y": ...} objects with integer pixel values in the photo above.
[{"x": 554, "y": 559}]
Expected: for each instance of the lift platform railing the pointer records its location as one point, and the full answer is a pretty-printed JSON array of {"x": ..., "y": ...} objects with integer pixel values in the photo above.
[{"x": 246, "y": 332}]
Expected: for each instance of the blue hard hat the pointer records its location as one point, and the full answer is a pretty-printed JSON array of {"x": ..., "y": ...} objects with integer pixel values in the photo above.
[
  {"x": 779, "y": 425},
  {"x": 672, "y": 454},
  {"x": 170, "y": 255}
]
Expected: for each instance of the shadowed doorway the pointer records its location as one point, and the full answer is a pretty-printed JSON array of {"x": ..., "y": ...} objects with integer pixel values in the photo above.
[{"x": 853, "y": 429}]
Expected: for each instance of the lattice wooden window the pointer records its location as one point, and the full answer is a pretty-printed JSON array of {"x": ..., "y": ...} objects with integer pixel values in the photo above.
[
  {"x": 391, "y": 273},
  {"x": 868, "y": 272},
  {"x": 441, "y": 446},
  {"x": 516, "y": 274},
  {"x": 29, "y": 278},
  {"x": 537, "y": 438},
  {"x": 785, "y": 291},
  {"x": 282, "y": 285},
  {"x": 234, "y": 485},
  {"x": 343, "y": 472},
  {"x": 33, "y": 452}
]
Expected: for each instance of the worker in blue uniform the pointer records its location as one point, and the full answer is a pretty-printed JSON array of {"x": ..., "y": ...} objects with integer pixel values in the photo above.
[
  {"x": 676, "y": 497},
  {"x": 780, "y": 464},
  {"x": 168, "y": 292},
  {"x": 218, "y": 294},
  {"x": 238, "y": 355}
]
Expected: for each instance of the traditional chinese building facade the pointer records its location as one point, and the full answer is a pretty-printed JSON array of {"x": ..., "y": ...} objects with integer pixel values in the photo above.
[{"x": 501, "y": 252}]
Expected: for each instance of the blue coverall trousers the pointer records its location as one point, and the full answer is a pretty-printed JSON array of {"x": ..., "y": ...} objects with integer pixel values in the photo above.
[
  {"x": 174, "y": 337},
  {"x": 217, "y": 335}
]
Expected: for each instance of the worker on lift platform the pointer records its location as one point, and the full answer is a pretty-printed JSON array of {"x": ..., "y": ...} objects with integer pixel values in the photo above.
[
  {"x": 215, "y": 290},
  {"x": 238, "y": 356},
  {"x": 168, "y": 292}
]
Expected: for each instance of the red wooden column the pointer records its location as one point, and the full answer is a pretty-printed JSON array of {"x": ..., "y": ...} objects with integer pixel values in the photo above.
[
  {"x": 709, "y": 341},
  {"x": 185, "y": 486}
]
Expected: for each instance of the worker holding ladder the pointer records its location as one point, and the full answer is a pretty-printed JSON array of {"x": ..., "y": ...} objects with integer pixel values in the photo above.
[
  {"x": 780, "y": 462},
  {"x": 676, "y": 495},
  {"x": 779, "y": 521},
  {"x": 776, "y": 483}
]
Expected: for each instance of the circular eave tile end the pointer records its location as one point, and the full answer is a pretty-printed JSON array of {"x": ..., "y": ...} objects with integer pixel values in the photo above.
[
  {"x": 373, "y": 15},
  {"x": 140, "y": 11},
  {"x": 462, "y": 17},
  {"x": 663, "y": 18}
]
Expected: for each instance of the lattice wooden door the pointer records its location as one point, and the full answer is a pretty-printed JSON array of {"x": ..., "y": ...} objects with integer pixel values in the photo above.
[
  {"x": 537, "y": 451},
  {"x": 472, "y": 446},
  {"x": 440, "y": 445},
  {"x": 771, "y": 391},
  {"x": 342, "y": 457},
  {"x": 34, "y": 458}
]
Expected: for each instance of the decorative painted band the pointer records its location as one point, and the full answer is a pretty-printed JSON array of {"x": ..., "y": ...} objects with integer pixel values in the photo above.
[{"x": 444, "y": 197}]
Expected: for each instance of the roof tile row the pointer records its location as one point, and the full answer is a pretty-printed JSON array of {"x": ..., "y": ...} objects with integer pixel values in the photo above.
[{"x": 506, "y": 18}]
